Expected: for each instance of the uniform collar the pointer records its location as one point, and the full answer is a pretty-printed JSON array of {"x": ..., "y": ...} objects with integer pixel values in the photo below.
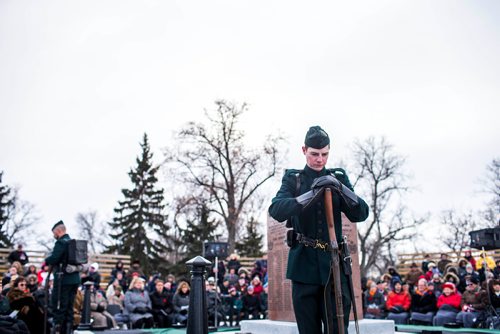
[{"x": 311, "y": 172}]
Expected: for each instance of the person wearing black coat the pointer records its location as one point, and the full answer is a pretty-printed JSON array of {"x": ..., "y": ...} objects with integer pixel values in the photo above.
[
  {"x": 161, "y": 301},
  {"x": 423, "y": 304},
  {"x": 251, "y": 304}
]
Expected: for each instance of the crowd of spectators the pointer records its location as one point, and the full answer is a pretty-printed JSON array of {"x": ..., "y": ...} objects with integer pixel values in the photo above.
[
  {"x": 437, "y": 294},
  {"x": 133, "y": 300}
]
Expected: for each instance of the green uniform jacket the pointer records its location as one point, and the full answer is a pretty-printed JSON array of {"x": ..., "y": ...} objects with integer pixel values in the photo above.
[
  {"x": 57, "y": 259},
  {"x": 306, "y": 264}
]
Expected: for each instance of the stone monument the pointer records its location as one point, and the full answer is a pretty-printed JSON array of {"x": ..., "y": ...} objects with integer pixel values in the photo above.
[{"x": 280, "y": 288}]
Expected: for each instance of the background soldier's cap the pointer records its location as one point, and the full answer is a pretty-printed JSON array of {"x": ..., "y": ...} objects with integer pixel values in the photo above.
[
  {"x": 59, "y": 223},
  {"x": 316, "y": 137}
]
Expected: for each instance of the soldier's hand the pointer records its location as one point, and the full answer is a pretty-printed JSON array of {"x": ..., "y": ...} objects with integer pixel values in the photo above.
[{"x": 326, "y": 181}]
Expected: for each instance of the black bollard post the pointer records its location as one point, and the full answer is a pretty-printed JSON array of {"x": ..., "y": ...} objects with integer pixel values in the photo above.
[
  {"x": 85, "y": 322},
  {"x": 197, "y": 315}
]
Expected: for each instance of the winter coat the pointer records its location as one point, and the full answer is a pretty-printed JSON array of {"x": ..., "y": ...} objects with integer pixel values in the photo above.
[
  {"x": 137, "y": 305},
  {"x": 29, "y": 311},
  {"x": 477, "y": 299},
  {"x": 101, "y": 318},
  {"x": 398, "y": 299},
  {"x": 453, "y": 300},
  {"x": 412, "y": 276},
  {"x": 180, "y": 302},
  {"x": 423, "y": 302},
  {"x": 161, "y": 301}
]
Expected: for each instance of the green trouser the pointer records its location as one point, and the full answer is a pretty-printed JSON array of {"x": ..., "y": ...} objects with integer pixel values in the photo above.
[
  {"x": 309, "y": 307},
  {"x": 64, "y": 314}
]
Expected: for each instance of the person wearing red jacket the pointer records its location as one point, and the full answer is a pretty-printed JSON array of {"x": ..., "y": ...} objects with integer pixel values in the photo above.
[
  {"x": 398, "y": 303},
  {"x": 448, "y": 305}
]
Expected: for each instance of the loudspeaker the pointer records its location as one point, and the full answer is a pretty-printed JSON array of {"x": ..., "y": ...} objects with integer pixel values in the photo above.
[
  {"x": 489, "y": 238},
  {"x": 215, "y": 249}
]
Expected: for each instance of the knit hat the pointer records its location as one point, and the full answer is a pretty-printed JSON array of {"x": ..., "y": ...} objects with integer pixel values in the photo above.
[{"x": 448, "y": 285}]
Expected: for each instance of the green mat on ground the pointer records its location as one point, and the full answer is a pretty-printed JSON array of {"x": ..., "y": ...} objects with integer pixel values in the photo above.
[
  {"x": 419, "y": 329},
  {"x": 183, "y": 330}
]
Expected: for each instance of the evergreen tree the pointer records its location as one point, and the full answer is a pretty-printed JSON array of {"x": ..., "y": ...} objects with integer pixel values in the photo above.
[
  {"x": 6, "y": 207},
  {"x": 199, "y": 228},
  {"x": 139, "y": 224},
  {"x": 251, "y": 244}
]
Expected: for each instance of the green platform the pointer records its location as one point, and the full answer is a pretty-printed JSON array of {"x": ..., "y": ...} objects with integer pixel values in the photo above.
[{"x": 440, "y": 329}]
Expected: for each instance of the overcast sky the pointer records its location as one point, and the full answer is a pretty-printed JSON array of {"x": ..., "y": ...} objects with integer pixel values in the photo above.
[{"x": 80, "y": 82}]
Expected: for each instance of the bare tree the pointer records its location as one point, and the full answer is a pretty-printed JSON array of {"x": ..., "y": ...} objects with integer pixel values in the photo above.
[
  {"x": 492, "y": 187},
  {"x": 212, "y": 156},
  {"x": 93, "y": 230},
  {"x": 381, "y": 180},
  {"x": 457, "y": 227}
]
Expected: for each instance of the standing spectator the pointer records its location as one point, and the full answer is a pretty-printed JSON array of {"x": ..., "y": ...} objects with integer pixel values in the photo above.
[
  {"x": 18, "y": 255},
  {"x": 138, "y": 305},
  {"x": 234, "y": 262},
  {"x": 220, "y": 271},
  {"x": 484, "y": 260},
  {"x": 468, "y": 256},
  {"x": 213, "y": 302},
  {"x": 161, "y": 302},
  {"x": 394, "y": 274},
  {"x": 473, "y": 303},
  {"x": 413, "y": 275},
  {"x": 257, "y": 270},
  {"x": 181, "y": 303},
  {"x": 42, "y": 274},
  {"x": 135, "y": 271},
  {"x": 448, "y": 305},
  {"x": 375, "y": 303},
  {"x": 398, "y": 305},
  {"x": 462, "y": 263},
  {"x": 425, "y": 262},
  {"x": 423, "y": 304},
  {"x": 251, "y": 305}
]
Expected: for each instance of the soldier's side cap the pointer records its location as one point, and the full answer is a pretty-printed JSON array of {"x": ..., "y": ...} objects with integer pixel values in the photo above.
[
  {"x": 316, "y": 138},
  {"x": 56, "y": 225}
]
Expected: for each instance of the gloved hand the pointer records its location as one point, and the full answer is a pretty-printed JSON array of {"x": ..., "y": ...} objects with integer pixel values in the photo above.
[
  {"x": 140, "y": 310},
  {"x": 326, "y": 181}
]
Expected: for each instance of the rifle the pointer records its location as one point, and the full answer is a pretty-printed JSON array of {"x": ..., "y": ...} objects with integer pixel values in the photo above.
[{"x": 335, "y": 267}]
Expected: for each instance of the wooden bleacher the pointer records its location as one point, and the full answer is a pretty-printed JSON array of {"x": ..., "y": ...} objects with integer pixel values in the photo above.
[
  {"x": 106, "y": 262},
  {"x": 406, "y": 259}
]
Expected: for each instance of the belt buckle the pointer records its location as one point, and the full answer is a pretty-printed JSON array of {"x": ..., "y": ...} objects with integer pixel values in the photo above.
[{"x": 319, "y": 245}]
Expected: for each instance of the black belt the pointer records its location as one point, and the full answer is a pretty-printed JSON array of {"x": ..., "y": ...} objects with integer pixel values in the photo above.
[{"x": 314, "y": 243}]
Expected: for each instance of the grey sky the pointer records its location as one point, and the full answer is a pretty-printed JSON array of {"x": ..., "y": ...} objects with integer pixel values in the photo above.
[{"x": 81, "y": 81}]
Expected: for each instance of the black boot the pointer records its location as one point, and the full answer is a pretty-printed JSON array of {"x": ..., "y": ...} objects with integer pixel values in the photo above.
[{"x": 69, "y": 328}]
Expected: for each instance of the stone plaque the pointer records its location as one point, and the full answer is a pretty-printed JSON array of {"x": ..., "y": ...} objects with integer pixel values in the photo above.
[{"x": 280, "y": 288}]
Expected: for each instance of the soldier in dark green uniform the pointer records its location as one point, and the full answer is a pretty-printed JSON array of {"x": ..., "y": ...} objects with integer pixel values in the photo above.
[
  {"x": 309, "y": 258},
  {"x": 65, "y": 284}
]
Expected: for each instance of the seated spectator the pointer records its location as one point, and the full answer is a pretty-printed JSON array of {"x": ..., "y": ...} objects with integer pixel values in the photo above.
[
  {"x": 32, "y": 283},
  {"x": 234, "y": 263},
  {"x": 213, "y": 303},
  {"x": 469, "y": 273},
  {"x": 181, "y": 303},
  {"x": 92, "y": 275},
  {"x": 448, "y": 305},
  {"x": 170, "y": 284},
  {"x": 382, "y": 288},
  {"x": 42, "y": 274},
  {"x": 118, "y": 269},
  {"x": 437, "y": 282},
  {"x": 468, "y": 256},
  {"x": 432, "y": 270},
  {"x": 394, "y": 274},
  {"x": 122, "y": 281},
  {"x": 423, "y": 304},
  {"x": 264, "y": 300},
  {"x": 118, "y": 299},
  {"x": 257, "y": 270},
  {"x": 452, "y": 278},
  {"x": 413, "y": 275},
  {"x": 231, "y": 307},
  {"x": 138, "y": 305},
  {"x": 101, "y": 319},
  {"x": 495, "y": 294},
  {"x": 31, "y": 271},
  {"x": 18, "y": 255},
  {"x": 21, "y": 300},
  {"x": 375, "y": 303},
  {"x": 224, "y": 288},
  {"x": 441, "y": 265},
  {"x": 242, "y": 285},
  {"x": 473, "y": 303},
  {"x": 18, "y": 266},
  {"x": 398, "y": 305},
  {"x": 257, "y": 286},
  {"x": 251, "y": 305},
  {"x": 113, "y": 284},
  {"x": 496, "y": 271},
  {"x": 462, "y": 263},
  {"x": 161, "y": 301},
  {"x": 232, "y": 277}
]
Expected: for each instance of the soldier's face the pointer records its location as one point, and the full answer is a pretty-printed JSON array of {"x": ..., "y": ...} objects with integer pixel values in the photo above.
[{"x": 316, "y": 159}]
